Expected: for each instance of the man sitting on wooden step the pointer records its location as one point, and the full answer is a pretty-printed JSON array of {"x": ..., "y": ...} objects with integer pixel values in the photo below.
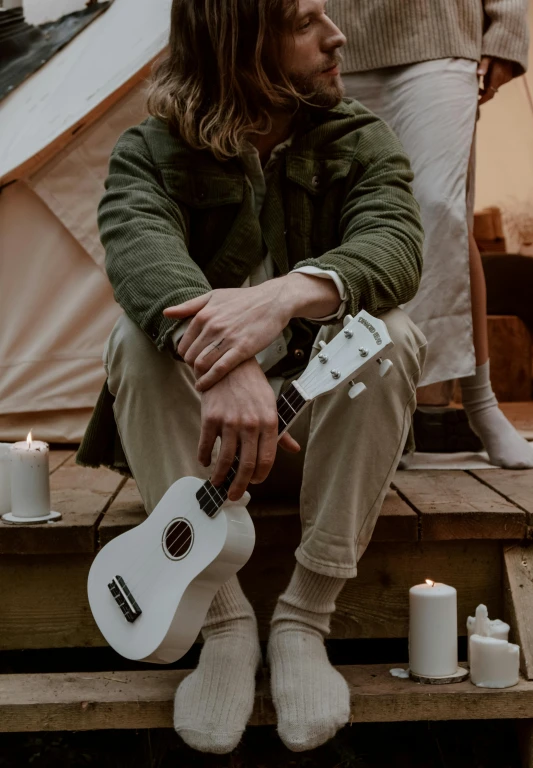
[{"x": 258, "y": 208}]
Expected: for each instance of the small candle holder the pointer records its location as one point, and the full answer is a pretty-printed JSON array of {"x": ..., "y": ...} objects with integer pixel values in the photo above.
[
  {"x": 10, "y": 517},
  {"x": 458, "y": 677},
  {"x": 30, "y": 484}
]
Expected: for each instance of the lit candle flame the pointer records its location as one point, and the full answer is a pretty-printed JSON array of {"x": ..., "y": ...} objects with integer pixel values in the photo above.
[
  {"x": 430, "y": 583},
  {"x": 29, "y": 439}
]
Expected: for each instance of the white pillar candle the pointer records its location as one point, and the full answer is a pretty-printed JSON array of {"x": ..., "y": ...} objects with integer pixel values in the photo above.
[
  {"x": 433, "y": 629},
  {"x": 5, "y": 479},
  {"x": 493, "y": 663},
  {"x": 30, "y": 479}
]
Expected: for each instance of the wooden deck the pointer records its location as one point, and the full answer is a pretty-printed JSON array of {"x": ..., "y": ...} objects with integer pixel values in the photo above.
[
  {"x": 450, "y": 526},
  {"x": 469, "y": 529}
]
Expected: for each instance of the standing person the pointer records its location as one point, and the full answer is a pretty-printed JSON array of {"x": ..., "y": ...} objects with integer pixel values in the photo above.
[
  {"x": 417, "y": 65},
  {"x": 253, "y": 198}
]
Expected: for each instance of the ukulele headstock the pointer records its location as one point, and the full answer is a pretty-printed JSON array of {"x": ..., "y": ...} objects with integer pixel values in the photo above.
[{"x": 361, "y": 343}]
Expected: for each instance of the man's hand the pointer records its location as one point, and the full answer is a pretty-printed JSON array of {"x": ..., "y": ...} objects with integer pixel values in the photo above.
[
  {"x": 231, "y": 325},
  {"x": 241, "y": 409},
  {"x": 495, "y": 72}
]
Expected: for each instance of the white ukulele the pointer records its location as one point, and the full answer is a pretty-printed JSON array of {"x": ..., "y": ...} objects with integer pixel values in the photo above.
[{"x": 150, "y": 588}]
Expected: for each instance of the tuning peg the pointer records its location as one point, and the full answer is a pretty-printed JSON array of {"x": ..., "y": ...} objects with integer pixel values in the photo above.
[
  {"x": 322, "y": 344},
  {"x": 347, "y": 319},
  {"x": 385, "y": 367},
  {"x": 356, "y": 389}
]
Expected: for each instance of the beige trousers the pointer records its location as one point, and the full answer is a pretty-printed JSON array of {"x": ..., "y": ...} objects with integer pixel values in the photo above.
[{"x": 350, "y": 449}]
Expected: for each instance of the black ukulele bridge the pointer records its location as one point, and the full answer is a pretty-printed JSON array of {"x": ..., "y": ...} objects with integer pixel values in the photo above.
[{"x": 124, "y": 599}]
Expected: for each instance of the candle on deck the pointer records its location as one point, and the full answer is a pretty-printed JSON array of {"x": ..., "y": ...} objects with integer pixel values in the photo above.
[
  {"x": 5, "y": 480},
  {"x": 494, "y": 663},
  {"x": 30, "y": 480},
  {"x": 433, "y": 629}
]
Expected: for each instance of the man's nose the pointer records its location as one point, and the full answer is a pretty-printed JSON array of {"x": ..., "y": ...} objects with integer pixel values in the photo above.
[{"x": 334, "y": 37}]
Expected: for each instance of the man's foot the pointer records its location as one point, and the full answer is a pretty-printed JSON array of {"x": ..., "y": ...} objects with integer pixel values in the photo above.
[
  {"x": 505, "y": 447},
  {"x": 213, "y": 704},
  {"x": 311, "y": 698}
]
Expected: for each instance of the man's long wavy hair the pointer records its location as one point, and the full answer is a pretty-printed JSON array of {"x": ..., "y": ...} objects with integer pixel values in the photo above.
[{"x": 221, "y": 75}]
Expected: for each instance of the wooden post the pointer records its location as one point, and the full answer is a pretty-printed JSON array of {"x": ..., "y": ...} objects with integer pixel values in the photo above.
[{"x": 518, "y": 573}]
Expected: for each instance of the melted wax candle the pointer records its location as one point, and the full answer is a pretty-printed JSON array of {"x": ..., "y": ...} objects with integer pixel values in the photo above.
[{"x": 493, "y": 663}]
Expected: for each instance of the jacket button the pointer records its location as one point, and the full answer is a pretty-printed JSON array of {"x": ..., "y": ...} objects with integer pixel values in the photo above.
[
  {"x": 298, "y": 354},
  {"x": 315, "y": 181}
]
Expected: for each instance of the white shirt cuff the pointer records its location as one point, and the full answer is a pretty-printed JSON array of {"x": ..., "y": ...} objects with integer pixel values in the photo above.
[
  {"x": 178, "y": 333},
  {"x": 329, "y": 274}
]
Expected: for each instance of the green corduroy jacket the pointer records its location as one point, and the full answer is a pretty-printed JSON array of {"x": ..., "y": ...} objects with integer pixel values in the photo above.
[{"x": 176, "y": 222}]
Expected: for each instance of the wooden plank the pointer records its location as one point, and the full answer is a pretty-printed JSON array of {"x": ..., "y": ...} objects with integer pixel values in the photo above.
[
  {"x": 113, "y": 700},
  {"x": 125, "y": 512},
  {"x": 518, "y": 572},
  {"x": 510, "y": 357},
  {"x": 376, "y": 603},
  {"x": 81, "y": 495},
  {"x": 58, "y": 458},
  {"x": 455, "y": 505},
  {"x": 516, "y": 485},
  {"x": 44, "y": 597},
  {"x": 44, "y": 602},
  {"x": 397, "y": 521},
  {"x": 521, "y": 417}
]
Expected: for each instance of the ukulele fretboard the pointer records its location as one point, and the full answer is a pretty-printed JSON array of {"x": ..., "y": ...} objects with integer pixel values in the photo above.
[{"x": 211, "y": 498}]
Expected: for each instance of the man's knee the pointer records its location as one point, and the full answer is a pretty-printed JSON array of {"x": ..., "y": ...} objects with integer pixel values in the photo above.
[
  {"x": 129, "y": 352},
  {"x": 409, "y": 341}
]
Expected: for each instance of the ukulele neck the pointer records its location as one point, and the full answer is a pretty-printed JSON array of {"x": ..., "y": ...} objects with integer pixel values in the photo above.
[{"x": 289, "y": 404}]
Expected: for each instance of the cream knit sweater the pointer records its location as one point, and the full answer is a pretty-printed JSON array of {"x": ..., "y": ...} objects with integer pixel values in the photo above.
[{"x": 388, "y": 33}]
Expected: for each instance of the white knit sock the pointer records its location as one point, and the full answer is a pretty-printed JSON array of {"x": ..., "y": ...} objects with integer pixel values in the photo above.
[
  {"x": 311, "y": 698},
  {"x": 213, "y": 704},
  {"x": 506, "y": 448}
]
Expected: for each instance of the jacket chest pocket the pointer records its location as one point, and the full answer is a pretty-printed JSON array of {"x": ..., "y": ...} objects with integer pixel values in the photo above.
[
  {"x": 210, "y": 203},
  {"x": 316, "y": 192}
]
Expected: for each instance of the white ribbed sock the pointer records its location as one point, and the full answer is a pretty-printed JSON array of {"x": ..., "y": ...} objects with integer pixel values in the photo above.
[
  {"x": 311, "y": 698},
  {"x": 213, "y": 704},
  {"x": 506, "y": 448}
]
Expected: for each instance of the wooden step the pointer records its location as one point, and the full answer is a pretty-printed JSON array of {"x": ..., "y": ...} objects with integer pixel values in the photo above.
[
  {"x": 456, "y": 505},
  {"x": 449, "y": 526},
  {"x": 82, "y": 495},
  {"x": 116, "y": 700}
]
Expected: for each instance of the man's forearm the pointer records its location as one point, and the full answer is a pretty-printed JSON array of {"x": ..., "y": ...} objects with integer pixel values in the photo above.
[{"x": 310, "y": 296}]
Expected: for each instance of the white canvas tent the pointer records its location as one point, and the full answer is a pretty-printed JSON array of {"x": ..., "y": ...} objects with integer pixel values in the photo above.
[{"x": 56, "y": 133}]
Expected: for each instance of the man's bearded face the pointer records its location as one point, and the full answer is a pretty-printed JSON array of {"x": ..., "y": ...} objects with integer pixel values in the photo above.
[
  {"x": 320, "y": 87},
  {"x": 312, "y": 59}
]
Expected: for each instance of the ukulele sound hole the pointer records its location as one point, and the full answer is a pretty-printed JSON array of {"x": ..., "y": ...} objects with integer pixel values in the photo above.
[{"x": 177, "y": 539}]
